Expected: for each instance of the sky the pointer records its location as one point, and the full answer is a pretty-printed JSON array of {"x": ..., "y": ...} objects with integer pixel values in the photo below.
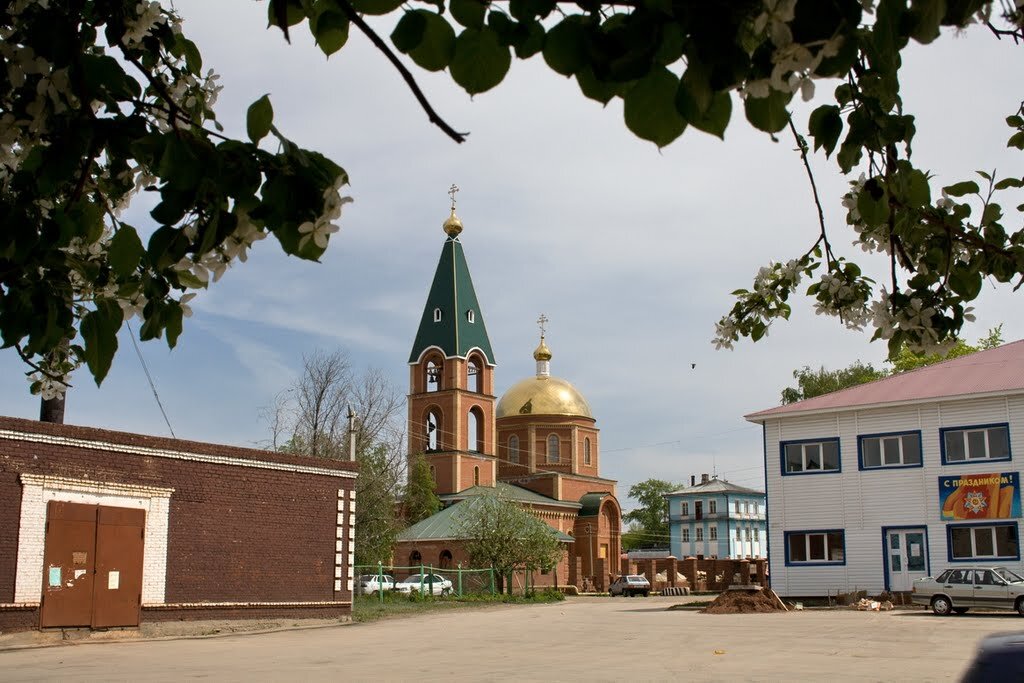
[{"x": 630, "y": 251}]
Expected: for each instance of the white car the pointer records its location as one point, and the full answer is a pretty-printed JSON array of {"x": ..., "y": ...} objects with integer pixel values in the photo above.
[
  {"x": 427, "y": 584},
  {"x": 371, "y": 584},
  {"x": 630, "y": 584},
  {"x": 957, "y": 590}
]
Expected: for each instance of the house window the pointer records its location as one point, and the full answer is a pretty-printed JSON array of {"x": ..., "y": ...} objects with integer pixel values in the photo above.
[
  {"x": 737, "y": 507},
  {"x": 685, "y": 535},
  {"x": 890, "y": 450},
  {"x": 471, "y": 316},
  {"x": 553, "y": 453},
  {"x": 816, "y": 547},
  {"x": 586, "y": 451},
  {"x": 712, "y": 507},
  {"x": 970, "y": 444},
  {"x": 437, "y": 315},
  {"x": 990, "y": 541},
  {"x": 746, "y": 507},
  {"x": 713, "y": 532},
  {"x": 739, "y": 534},
  {"x": 513, "y": 448},
  {"x": 748, "y": 533},
  {"x": 757, "y": 534},
  {"x": 700, "y": 533},
  {"x": 810, "y": 457},
  {"x": 684, "y": 509}
]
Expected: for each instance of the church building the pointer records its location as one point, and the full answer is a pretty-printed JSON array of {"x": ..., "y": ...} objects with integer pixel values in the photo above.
[{"x": 539, "y": 444}]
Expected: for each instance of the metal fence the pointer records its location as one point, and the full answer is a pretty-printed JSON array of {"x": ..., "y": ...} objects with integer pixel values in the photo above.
[{"x": 425, "y": 579}]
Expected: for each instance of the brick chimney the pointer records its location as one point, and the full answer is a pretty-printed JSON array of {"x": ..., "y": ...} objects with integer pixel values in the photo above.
[
  {"x": 693, "y": 480},
  {"x": 703, "y": 479}
]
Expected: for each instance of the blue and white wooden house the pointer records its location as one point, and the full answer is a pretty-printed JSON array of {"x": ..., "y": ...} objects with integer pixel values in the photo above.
[{"x": 716, "y": 519}]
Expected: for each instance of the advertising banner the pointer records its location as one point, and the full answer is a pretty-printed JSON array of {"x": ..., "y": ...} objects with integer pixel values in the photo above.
[{"x": 980, "y": 496}]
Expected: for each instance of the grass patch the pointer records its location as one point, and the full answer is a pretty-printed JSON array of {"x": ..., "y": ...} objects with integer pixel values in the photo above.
[{"x": 367, "y": 608}]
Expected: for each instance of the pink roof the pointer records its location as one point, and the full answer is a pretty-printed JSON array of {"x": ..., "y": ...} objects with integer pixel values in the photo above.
[{"x": 998, "y": 370}]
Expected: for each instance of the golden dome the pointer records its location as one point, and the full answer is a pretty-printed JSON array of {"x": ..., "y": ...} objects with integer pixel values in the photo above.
[
  {"x": 453, "y": 226},
  {"x": 542, "y": 352},
  {"x": 543, "y": 396}
]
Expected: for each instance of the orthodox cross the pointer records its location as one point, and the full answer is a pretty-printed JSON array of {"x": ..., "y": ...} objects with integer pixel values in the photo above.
[
  {"x": 452, "y": 191},
  {"x": 541, "y": 322}
]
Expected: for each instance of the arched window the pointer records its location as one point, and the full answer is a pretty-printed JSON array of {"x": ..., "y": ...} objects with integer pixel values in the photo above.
[
  {"x": 586, "y": 451},
  {"x": 415, "y": 558},
  {"x": 475, "y": 430},
  {"x": 513, "y": 448},
  {"x": 553, "y": 448},
  {"x": 433, "y": 431},
  {"x": 473, "y": 375},
  {"x": 433, "y": 376},
  {"x": 437, "y": 315},
  {"x": 444, "y": 560},
  {"x": 476, "y": 476}
]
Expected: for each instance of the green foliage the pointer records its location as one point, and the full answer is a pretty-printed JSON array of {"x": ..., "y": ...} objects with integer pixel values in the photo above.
[
  {"x": 375, "y": 514},
  {"x": 500, "y": 534},
  {"x": 420, "y": 501},
  {"x": 649, "y": 522},
  {"x": 811, "y": 383},
  {"x": 908, "y": 360}
]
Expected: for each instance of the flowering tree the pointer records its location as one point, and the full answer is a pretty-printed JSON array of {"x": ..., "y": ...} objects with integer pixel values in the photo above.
[{"x": 100, "y": 99}]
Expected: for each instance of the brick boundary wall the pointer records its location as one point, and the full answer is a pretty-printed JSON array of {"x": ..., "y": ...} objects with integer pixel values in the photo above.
[{"x": 254, "y": 532}]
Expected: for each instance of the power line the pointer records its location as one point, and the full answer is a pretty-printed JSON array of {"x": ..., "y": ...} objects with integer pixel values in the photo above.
[{"x": 138, "y": 352}]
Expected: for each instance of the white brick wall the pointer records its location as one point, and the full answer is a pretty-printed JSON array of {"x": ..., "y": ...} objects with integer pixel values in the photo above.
[{"x": 37, "y": 491}]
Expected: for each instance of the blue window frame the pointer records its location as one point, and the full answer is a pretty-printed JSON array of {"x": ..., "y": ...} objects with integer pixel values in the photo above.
[
  {"x": 975, "y": 443},
  {"x": 815, "y": 547},
  {"x": 889, "y": 450},
  {"x": 810, "y": 456},
  {"x": 984, "y": 541}
]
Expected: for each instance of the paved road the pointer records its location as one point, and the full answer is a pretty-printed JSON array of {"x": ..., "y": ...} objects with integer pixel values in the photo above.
[{"x": 592, "y": 639}]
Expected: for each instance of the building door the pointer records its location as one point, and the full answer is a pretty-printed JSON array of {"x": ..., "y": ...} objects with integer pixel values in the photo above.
[
  {"x": 92, "y": 566},
  {"x": 906, "y": 556}
]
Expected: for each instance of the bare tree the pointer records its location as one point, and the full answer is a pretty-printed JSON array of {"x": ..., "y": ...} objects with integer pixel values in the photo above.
[{"x": 321, "y": 402}]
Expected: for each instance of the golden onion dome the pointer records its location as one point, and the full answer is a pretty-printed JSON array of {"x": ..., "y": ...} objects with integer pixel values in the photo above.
[
  {"x": 542, "y": 352},
  {"x": 453, "y": 226},
  {"x": 543, "y": 396}
]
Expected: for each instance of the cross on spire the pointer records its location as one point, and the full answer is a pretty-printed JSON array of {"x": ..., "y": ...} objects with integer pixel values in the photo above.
[
  {"x": 452, "y": 191},
  {"x": 541, "y": 322}
]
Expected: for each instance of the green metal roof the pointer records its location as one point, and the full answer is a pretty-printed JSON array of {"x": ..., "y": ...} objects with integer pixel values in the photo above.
[
  {"x": 591, "y": 503},
  {"x": 452, "y": 293},
  {"x": 509, "y": 492},
  {"x": 443, "y": 526}
]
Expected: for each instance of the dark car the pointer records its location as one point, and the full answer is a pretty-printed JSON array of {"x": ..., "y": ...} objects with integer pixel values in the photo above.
[{"x": 1000, "y": 658}]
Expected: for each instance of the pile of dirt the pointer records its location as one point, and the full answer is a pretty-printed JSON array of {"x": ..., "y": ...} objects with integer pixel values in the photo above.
[{"x": 744, "y": 602}]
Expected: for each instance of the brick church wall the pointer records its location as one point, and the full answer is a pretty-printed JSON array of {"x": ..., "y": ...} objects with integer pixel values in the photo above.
[{"x": 248, "y": 535}]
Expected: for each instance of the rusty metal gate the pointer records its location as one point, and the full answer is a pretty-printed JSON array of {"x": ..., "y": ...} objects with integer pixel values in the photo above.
[{"x": 92, "y": 566}]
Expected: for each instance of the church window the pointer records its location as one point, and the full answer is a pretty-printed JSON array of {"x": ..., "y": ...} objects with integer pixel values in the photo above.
[
  {"x": 712, "y": 507},
  {"x": 444, "y": 560},
  {"x": 513, "y": 449},
  {"x": 471, "y": 315},
  {"x": 713, "y": 532},
  {"x": 586, "y": 451},
  {"x": 437, "y": 315},
  {"x": 685, "y": 536},
  {"x": 433, "y": 431},
  {"x": 415, "y": 558},
  {"x": 684, "y": 509},
  {"x": 433, "y": 376},
  {"x": 700, "y": 533},
  {"x": 473, "y": 375},
  {"x": 553, "y": 448},
  {"x": 475, "y": 430},
  {"x": 476, "y": 476}
]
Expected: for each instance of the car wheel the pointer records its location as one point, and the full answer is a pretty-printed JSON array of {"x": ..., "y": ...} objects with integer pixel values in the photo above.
[
  {"x": 941, "y": 605},
  {"x": 1020, "y": 606},
  {"x": 446, "y": 591},
  {"x": 646, "y": 593}
]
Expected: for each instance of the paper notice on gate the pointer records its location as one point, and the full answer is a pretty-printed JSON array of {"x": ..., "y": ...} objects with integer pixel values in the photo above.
[
  {"x": 53, "y": 577},
  {"x": 915, "y": 550},
  {"x": 113, "y": 580}
]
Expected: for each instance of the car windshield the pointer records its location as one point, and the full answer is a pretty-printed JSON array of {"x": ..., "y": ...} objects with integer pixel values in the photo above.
[
  {"x": 637, "y": 579},
  {"x": 1008, "y": 576}
]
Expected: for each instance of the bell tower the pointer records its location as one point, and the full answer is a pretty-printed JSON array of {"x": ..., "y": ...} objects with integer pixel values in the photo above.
[{"x": 451, "y": 376}]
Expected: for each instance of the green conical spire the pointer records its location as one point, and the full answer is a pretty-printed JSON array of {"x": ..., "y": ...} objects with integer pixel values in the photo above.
[{"x": 452, "y": 320}]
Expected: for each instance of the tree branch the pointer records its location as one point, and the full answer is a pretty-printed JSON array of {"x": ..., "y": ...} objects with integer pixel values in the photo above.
[
  {"x": 802, "y": 145},
  {"x": 379, "y": 43}
]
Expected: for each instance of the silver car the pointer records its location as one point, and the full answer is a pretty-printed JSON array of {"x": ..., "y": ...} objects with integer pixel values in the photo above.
[{"x": 957, "y": 590}]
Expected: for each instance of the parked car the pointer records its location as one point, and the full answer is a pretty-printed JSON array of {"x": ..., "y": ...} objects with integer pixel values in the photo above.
[
  {"x": 1000, "y": 657},
  {"x": 432, "y": 584},
  {"x": 371, "y": 584},
  {"x": 957, "y": 590},
  {"x": 631, "y": 584}
]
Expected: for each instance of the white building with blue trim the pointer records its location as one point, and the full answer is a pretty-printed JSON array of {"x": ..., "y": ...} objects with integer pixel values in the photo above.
[
  {"x": 874, "y": 486},
  {"x": 716, "y": 519}
]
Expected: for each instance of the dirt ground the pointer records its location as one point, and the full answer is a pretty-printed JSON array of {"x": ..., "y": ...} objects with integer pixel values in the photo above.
[{"x": 592, "y": 639}]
